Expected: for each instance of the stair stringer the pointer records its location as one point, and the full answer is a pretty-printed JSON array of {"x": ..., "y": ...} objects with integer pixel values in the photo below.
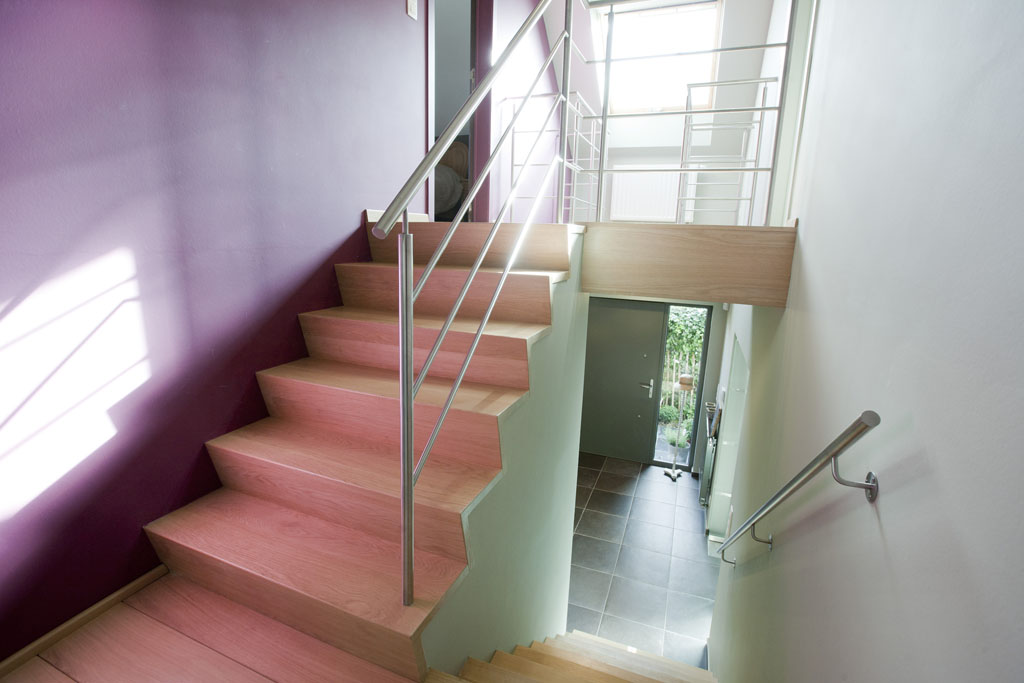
[{"x": 518, "y": 531}]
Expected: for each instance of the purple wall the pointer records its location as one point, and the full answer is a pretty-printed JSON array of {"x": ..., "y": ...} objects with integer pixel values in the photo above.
[{"x": 175, "y": 180}]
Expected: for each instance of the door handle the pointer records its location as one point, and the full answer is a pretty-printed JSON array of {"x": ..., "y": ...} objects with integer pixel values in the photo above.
[{"x": 649, "y": 387}]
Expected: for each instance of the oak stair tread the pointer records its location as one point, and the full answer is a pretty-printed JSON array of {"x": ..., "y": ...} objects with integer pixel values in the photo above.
[
  {"x": 562, "y": 664},
  {"x": 670, "y": 666},
  {"x": 546, "y": 245},
  {"x": 483, "y": 672},
  {"x": 471, "y": 397},
  {"x": 466, "y": 325},
  {"x": 589, "y": 660},
  {"x": 269, "y": 647},
  {"x": 554, "y": 276},
  {"x": 124, "y": 644},
  {"x": 445, "y": 483},
  {"x": 535, "y": 670},
  {"x": 36, "y": 670},
  {"x": 338, "y": 567}
]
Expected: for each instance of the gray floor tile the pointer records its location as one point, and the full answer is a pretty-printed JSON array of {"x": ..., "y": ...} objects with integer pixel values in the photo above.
[
  {"x": 600, "y": 525},
  {"x": 689, "y": 519},
  {"x": 648, "y": 536},
  {"x": 689, "y": 615},
  {"x": 586, "y": 477},
  {"x": 688, "y": 497},
  {"x": 624, "y": 467},
  {"x": 636, "y": 601},
  {"x": 653, "y": 512},
  {"x": 583, "y": 619},
  {"x": 695, "y": 578},
  {"x": 594, "y": 462},
  {"x": 653, "y": 473},
  {"x": 643, "y": 565},
  {"x": 594, "y": 553},
  {"x": 686, "y": 650},
  {"x": 610, "y": 503},
  {"x": 652, "y": 489},
  {"x": 616, "y": 483},
  {"x": 691, "y": 545},
  {"x": 630, "y": 633},
  {"x": 576, "y": 517},
  {"x": 588, "y": 588},
  {"x": 582, "y": 496}
]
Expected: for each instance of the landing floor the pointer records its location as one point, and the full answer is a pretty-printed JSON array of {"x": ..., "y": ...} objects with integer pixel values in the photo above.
[{"x": 640, "y": 571}]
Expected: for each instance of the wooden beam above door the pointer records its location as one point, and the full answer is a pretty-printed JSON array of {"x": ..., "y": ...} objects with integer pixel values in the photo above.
[{"x": 714, "y": 263}]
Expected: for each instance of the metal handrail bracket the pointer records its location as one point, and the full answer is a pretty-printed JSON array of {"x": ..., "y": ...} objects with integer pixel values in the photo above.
[{"x": 868, "y": 420}]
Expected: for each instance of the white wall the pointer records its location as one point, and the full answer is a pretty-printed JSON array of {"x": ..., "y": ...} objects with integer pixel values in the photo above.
[
  {"x": 451, "y": 65},
  {"x": 906, "y": 298}
]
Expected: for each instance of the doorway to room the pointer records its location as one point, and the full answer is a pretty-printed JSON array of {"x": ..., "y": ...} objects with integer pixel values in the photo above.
[
  {"x": 682, "y": 383},
  {"x": 454, "y": 47}
]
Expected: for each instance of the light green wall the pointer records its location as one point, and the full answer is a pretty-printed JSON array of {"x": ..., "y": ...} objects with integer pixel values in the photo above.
[
  {"x": 906, "y": 298},
  {"x": 519, "y": 533}
]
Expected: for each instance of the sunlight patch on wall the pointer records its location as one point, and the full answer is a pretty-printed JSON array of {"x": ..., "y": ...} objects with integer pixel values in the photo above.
[{"x": 69, "y": 353}]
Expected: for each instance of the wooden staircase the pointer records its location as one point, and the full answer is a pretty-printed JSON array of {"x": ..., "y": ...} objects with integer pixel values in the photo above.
[
  {"x": 574, "y": 657},
  {"x": 292, "y": 570}
]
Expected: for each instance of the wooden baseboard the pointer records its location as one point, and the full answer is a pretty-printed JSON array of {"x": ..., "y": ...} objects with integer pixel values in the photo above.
[{"x": 78, "y": 621}]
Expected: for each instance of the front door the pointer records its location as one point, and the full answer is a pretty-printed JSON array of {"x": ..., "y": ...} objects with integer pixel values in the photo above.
[{"x": 621, "y": 387}]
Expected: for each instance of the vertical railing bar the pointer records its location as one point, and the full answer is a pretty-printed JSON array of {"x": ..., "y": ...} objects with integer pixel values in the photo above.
[
  {"x": 757, "y": 156},
  {"x": 564, "y": 127},
  {"x": 484, "y": 172},
  {"x": 483, "y": 324},
  {"x": 405, "y": 371},
  {"x": 479, "y": 259},
  {"x": 604, "y": 111},
  {"x": 783, "y": 85},
  {"x": 683, "y": 156}
]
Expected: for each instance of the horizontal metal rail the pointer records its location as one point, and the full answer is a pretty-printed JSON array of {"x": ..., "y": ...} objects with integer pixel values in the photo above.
[
  {"x": 680, "y": 170},
  {"x": 863, "y": 424},
  {"x": 690, "y": 53},
  {"x": 684, "y": 112}
]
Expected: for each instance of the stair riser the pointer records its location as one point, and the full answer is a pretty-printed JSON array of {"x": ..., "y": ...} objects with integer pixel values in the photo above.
[
  {"x": 524, "y": 297},
  {"x": 470, "y": 437},
  {"x": 497, "y": 360},
  {"x": 371, "y": 512},
  {"x": 369, "y": 641},
  {"x": 546, "y": 246}
]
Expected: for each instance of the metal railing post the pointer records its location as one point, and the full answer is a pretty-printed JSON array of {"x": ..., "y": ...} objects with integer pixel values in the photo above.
[
  {"x": 604, "y": 113},
  {"x": 564, "y": 130},
  {"x": 405, "y": 378}
]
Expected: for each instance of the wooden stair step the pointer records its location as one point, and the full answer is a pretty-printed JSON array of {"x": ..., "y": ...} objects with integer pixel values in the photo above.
[
  {"x": 267, "y": 646},
  {"x": 482, "y": 672},
  {"x": 535, "y": 670},
  {"x": 36, "y": 670},
  {"x": 435, "y": 676},
  {"x": 363, "y": 402},
  {"x": 669, "y": 666},
  {"x": 349, "y": 481},
  {"x": 588, "y": 660},
  {"x": 124, "y": 644},
  {"x": 546, "y": 246},
  {"x": 370, "y": 337},
  {"x": 525, "y": 297},
  {"x": 330, "y": 581},
  {"x": 569, "y": 667}
]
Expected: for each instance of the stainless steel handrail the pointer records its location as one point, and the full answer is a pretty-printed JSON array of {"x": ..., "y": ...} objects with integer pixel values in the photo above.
[
  {"x": 409, "y": 288},
  {"x": 419, "y": 176},
  {"x": 868, "y": 420}
]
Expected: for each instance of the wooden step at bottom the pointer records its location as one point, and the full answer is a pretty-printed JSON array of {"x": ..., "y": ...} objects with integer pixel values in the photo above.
[
  {"x": 534, "y": 670},
  {"x": 566, "y": 666},
  {"x": 370, "y": 337},
  {"x": 36, "y": 670},
  {"x": 351, "y": 482},
  {"x": 260, "y": 643},
  {"x": 582, "y": 658},
  {"x": 669, "y": 666},
  {"x": 435, "y": 676},
  {"x": 482, "y": 672},
  {"x": 324, "y": 579},
  {"x": 125, "y": 645}
]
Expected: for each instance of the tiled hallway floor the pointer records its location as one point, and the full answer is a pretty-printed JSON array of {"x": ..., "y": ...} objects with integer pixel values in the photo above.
[{"x": 640, "y": 573}]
